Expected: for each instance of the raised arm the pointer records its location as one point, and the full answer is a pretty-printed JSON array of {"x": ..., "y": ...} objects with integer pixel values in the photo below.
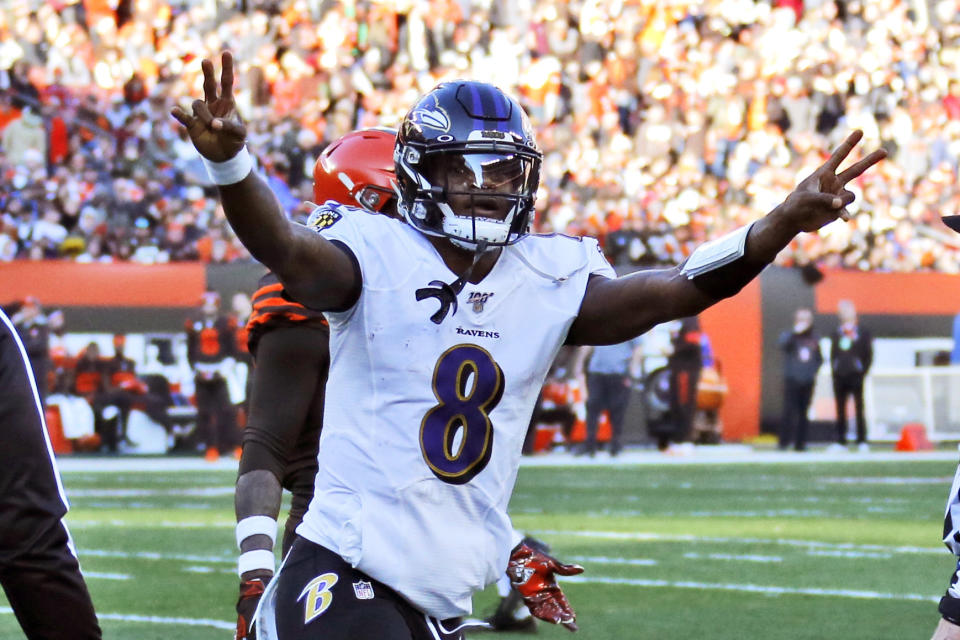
[
  {"x": 614, "y": 310},
  {"x": 315, "y": 271}
]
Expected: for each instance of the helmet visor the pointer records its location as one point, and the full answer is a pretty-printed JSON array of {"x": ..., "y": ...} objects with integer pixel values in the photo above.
[{"x": 466, "y": 172}]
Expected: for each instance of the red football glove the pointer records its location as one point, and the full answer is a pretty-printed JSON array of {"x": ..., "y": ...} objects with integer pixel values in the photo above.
[
  {"x": 532, "y": 574},
  {"x": 250, "y": 593}
]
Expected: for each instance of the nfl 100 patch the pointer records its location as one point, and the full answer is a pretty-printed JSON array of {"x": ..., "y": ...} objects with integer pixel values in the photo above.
[{"x": 478, "y": 299}]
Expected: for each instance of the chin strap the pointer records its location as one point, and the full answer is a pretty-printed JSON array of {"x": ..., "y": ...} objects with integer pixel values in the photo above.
[{"x": 446, "y": 293}]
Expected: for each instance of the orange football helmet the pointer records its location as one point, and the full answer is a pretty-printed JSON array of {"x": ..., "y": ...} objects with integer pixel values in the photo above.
[{"x": 358, "y": 170}]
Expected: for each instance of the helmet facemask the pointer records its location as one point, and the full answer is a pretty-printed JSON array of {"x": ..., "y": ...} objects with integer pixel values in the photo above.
[{"x": 479, "y": 195}]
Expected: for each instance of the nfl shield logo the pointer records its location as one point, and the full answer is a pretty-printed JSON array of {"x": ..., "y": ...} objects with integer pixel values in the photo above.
[{"x": 363, "y": 590}]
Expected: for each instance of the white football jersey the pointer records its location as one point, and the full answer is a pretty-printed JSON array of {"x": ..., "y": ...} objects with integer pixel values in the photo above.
[{"x": 424, "y": 423}]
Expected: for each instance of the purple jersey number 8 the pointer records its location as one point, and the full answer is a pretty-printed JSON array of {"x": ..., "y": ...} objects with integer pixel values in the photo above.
[{"x": 456, "y": 435}]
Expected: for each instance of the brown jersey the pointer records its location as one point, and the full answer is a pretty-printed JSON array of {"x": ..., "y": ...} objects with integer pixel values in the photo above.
[{"x": 273, "y": 308}]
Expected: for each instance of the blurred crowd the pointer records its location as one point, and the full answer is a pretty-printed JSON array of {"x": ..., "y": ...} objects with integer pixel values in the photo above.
[{"x": 663, "y": 122}]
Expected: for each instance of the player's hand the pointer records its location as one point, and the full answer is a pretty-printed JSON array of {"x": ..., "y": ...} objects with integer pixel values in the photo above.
[
  {"x": 946, "y": 631},
  {"x": 822, "y": 197},
  {"x": 215, "y": 126},
  {"x": 250, "y": 593},
  {"x": 532, "y": 574}
]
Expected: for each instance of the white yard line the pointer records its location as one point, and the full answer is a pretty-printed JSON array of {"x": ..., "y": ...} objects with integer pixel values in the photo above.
[
  {"x": 643, "y": 536},
  {"x": 768, "y": 513},
  {"x": 746, "y": 557},
  {"x": 140, "y": 464},
  {"x": 87, "y": 523},
  {"x": 753, "y": 588},
  {"x": 205, "y": 492},
  {"x": 100, "y": 575},
  {"x": 873, "y": 555},
  {"x": 152, "y": 555},
  {"x": 197, "y": 569},
  {"x": 130, "y": 617},
  {"x": 894, "y": 480},
  {"x": 636, "y": 562}
]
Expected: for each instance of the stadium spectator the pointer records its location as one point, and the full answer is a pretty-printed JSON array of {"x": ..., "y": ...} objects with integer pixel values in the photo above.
[
  {"x": 802, "y": 360},
  {"x": 24, "y": 134},
  {"x": 851, "y": 354}
]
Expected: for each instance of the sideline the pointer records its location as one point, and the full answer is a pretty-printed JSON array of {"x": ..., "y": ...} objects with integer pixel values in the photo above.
[{"x": 716, "y": 454}]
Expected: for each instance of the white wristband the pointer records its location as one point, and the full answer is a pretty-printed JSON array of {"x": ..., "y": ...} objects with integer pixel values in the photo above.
[
  {"x": 230, "y": 171},
  {"x": 256, "y": 526},
  {"x": 253, "y": 560},
  {"x": 712, "y": 255}
]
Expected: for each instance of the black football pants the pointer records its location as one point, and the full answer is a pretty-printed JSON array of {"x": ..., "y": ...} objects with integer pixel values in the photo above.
[
  {"x": 47, "y": 591},
  {"x": 319, "y": 595}
]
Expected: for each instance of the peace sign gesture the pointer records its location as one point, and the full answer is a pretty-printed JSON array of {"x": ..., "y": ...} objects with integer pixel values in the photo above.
[
  {"x": 822, "y": 197},
  {"x": 215, "y": 126}
]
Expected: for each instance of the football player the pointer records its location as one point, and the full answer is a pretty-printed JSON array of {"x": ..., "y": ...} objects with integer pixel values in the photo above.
[
  {"x": 39, "y": 571},
  {"x": 428, "y": 402},
  {"x": 290, "y": 345}
]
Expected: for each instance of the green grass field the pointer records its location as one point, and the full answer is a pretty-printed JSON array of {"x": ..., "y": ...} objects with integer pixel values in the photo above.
[{"x": 738, "y": 551}]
